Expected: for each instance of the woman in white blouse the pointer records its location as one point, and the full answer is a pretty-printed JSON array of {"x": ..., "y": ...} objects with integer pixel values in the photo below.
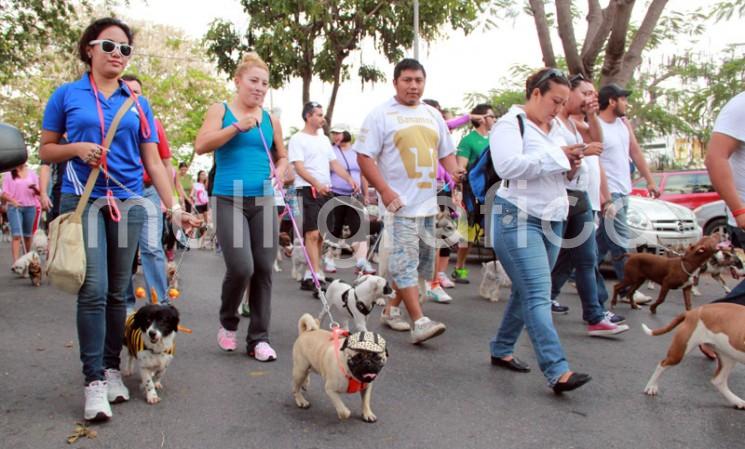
[{"x": 534, "y": 163}]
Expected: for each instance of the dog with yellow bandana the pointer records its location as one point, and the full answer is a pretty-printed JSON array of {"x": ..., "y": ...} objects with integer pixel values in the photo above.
[{"x": 347, "y": 364}]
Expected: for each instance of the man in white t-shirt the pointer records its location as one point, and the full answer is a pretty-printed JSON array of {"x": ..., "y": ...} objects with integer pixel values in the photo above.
[
  {"x": 725, "y": 160},
  {"x": 313, "y": 159},
  {"x": 619, "y": 144},
  {"x": 398, "y": 148}
]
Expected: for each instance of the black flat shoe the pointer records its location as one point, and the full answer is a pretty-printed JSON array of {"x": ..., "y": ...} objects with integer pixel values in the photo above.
[
  {"x": 514, "y": 364},
  {"x": 575, "y": 381}
]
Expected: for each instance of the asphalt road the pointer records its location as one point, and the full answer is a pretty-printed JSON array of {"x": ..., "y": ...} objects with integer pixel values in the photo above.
[{"x": 443, "y": 394}]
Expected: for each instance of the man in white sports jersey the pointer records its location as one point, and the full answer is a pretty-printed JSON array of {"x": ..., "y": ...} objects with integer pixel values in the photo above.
[
  {"x": 398, "y": 148},
  {"x": 619, "y": 144}
]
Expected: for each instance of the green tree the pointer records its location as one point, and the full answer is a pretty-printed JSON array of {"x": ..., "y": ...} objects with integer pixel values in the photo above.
[{"x": 310, "y": 38}]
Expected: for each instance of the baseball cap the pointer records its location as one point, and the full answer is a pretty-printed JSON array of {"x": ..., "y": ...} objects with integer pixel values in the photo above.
[
  {"x": 611, "y": 91},
  {"x": 340, "y": 128}
]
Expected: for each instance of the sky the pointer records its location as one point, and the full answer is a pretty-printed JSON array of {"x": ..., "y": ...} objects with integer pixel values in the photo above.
[{"x": 456, "y": 64}]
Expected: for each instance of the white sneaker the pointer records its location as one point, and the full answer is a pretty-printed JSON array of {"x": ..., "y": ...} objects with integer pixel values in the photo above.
[
  {"x": 328, "y": 265},
  {"x": 97, "y": 406},
  {"x": 640, "y": 298},
  {"x": 424, "y": 329},
  {"x": 394, "y": 320},
  {"x": 445, "y": 281},
  {"x": 438, "y": 294},
  {"x": 116, "y": 391}
]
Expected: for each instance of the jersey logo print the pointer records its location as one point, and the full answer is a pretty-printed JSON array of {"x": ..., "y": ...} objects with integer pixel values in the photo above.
[{"x": 416, "y": 145}]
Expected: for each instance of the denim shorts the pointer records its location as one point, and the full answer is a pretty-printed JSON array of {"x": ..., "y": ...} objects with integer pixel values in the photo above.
[
  {"x": 21, "y": 220},
  {"x": 413, "y": 249}
]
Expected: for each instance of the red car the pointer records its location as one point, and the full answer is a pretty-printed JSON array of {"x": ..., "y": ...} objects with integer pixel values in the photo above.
[{"x": 689, "y": 188}]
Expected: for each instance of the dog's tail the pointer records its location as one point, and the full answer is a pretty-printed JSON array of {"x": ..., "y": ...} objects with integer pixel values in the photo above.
[
  {"x": 307, "y": 323},
  {"x": 663, "y": 330}
]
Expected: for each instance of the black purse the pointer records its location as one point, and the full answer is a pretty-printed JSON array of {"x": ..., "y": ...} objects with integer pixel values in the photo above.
[{"x": 579, "y": 202}]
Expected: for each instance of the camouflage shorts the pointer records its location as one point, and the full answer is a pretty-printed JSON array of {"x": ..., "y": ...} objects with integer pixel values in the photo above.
[{"x": 412, "y": 252}]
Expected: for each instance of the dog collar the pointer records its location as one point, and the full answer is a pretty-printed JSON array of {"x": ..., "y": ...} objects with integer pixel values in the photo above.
[{"x": 683, "y": 266}]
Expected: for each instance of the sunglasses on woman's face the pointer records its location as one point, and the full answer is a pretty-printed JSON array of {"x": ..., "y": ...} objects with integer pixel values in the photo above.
[{"x": 108, "y": 46}]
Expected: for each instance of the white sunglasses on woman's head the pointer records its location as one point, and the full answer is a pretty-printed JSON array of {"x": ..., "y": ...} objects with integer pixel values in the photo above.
[{"x": 108, "y": 46}]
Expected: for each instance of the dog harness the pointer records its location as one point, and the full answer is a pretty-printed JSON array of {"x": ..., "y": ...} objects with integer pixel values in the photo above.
[
  {"x": 360, "y": 306},
  {"x": 133, "y": 339}
]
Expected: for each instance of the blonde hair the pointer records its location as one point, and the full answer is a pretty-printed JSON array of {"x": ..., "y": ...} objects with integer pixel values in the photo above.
[{"x": 249, "y": 60}]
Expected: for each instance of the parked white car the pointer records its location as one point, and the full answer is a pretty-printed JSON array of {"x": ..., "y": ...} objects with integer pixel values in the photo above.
[
  {"x": 712, "y": 217},
  {"x": 656, "y": 225}
]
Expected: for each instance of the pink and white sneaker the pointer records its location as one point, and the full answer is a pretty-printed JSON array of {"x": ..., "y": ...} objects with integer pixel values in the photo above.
[
  {"x": 263, "y": 352},
  {"x": 445, "y": 281},
  {"x": 227, "y": 340}
]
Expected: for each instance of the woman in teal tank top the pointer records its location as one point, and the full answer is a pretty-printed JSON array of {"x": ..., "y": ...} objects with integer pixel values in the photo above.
[{"x": 239, "y": 132}]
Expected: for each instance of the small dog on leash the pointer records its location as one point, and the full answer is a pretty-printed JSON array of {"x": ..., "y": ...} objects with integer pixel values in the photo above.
[
  {"x": 493, "y": 277},
  {"x": 284, "y": 250},
  {"x": 721, "y": 262},
  {"x": 720, "y": 326},
  {"x": 149, "y": 335},
  {"x": 172, "y": 275},
  {"x": 358, "y": 300},
  {"x": 347, "y": 365},
  {"x": 22, "y": 266},
  {"x": 6, "y": 232},
  {"x": 208, "y": 236},
  {"x": 40, "y": 243},
  {"x": 299, "y": 264}
]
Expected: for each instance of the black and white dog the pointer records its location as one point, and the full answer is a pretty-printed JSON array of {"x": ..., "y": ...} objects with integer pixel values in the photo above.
[
  {"x": 149, "y": 335},
  {"x": 357, "y": 301}
]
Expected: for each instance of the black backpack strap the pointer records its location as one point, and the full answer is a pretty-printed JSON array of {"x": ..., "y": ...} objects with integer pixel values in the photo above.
[{"x": 521, "y": 124}]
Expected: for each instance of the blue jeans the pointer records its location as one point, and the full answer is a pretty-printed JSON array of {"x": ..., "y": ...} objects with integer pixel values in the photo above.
[
  {"x": 579, "y": 251},
  {"x": 101, "y": 309},
  {"x": 617, "y": 244},
  {"x": 21, "y": 220},
  {"x": 152, "y": 256},
  {"x": 527, "y": 255}
]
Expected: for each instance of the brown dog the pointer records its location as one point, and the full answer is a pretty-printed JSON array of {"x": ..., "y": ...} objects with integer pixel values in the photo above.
[
  {"x": 669, "y": 272},
  {"x": 719, "y": 325}
]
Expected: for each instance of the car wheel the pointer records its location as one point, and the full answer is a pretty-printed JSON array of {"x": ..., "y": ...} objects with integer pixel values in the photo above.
[{"x": 718, "y": 225}]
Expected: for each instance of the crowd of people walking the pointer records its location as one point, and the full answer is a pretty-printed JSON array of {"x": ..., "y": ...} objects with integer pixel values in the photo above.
[{"x": 562, "y": 157}]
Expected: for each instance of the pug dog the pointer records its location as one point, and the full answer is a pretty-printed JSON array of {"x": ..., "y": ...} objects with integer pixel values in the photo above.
[
  {"x": 347, "y": 365},
  {"x": 357, "y": 301}
]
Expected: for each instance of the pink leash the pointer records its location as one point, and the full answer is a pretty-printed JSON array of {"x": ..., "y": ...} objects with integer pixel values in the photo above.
[{"x": 288, "y": 210}]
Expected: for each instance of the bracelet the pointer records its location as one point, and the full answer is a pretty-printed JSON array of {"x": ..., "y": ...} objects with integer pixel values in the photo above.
[
  {"x": 174, "y": 208},
  {"x": 235, "y": 125},
  {"x": 738, "y": 212}
]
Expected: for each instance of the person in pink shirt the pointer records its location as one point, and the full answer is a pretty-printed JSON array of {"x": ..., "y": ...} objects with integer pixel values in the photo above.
[{"x": 21, "y": 191}]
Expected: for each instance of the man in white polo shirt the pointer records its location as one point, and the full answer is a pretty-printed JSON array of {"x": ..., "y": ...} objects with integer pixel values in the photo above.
[
  {"x": 313, "y": 159},
  {"x": 398, "y": 148},
  {"x": 619, "y": 144},
  {"x": 725, "y": 160}
]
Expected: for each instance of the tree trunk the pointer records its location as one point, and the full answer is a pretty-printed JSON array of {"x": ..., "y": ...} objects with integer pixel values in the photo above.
[
  {"x": 617, "y": 42},
  {"x": 566, "y": 33},
  {"x": 544, "y": 35},
  {"x": 334, "y": 91},
  {"x": 633, "y": 56},
  {"x": 598, "y": 29}
]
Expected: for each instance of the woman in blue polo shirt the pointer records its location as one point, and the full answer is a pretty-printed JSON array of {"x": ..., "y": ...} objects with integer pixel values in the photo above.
[
  {"x": 84, "y": 110},
  {"x": 241, "y": 133}
]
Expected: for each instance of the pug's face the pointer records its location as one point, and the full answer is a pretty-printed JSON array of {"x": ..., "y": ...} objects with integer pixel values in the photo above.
[{"x": 365, "y": 365}]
